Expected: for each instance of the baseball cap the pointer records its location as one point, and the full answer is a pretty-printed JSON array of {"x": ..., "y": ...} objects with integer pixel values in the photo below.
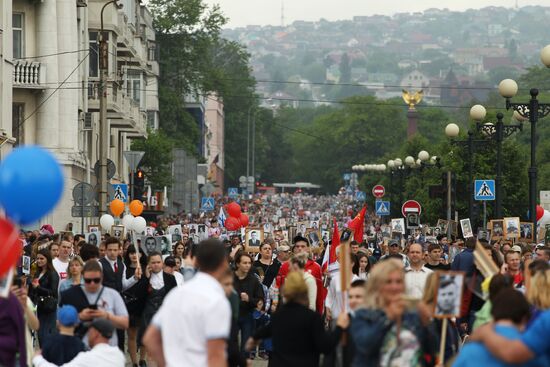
[
  {"x": 67, "y": 315},
  {"x": 393, "y": 243},
  {"x": 516, "y": 248},
  {"x": 104, "y": 327},
  {"x": 283, "y": 248}
]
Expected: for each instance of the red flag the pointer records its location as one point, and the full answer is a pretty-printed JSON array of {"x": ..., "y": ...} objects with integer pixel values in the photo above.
[
  {"x": 359, "y": 228},
  {"x": 334, "y": 243}
]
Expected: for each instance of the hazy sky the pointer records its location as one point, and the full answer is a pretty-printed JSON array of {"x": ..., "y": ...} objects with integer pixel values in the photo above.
[{"x": 262, "y": 12}]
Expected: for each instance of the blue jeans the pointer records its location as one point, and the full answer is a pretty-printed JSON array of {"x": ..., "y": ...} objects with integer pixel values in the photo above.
[{"x": 246, "y": 326}]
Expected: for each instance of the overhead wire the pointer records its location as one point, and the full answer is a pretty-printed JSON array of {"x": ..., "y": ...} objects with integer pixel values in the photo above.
[{"x": 51, "y": 94}]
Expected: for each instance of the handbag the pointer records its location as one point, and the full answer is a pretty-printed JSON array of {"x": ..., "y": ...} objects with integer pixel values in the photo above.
[{"x": 47, "y": 304}]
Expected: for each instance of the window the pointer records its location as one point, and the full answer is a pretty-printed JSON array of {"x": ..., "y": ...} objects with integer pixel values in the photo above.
[
  {"x": 151, "y": 119},
  {"x": 94, "y": 54},
  {"x": 18, "y": 35},
  {"x": 152, "y": 54},
  {"x": 133, "y": 85},
  {"x": 17, "y": 129}
]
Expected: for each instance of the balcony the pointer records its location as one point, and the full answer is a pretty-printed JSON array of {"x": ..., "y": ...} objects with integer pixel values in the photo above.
[
  {"x": 29, "y": 74},
  {"x": 123, "y": 112}
]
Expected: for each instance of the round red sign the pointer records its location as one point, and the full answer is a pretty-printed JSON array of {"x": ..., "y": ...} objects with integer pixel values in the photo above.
[
  {"x": 411, "y": 207},
  {"x": 378, "y": 191}
]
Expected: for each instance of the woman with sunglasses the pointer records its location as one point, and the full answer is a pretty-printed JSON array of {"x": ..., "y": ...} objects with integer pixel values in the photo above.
[{"x": 43, "y": 292}]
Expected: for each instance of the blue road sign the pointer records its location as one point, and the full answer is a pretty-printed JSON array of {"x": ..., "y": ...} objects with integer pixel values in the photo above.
[
  {"x": 347, "y": 176},
  {"x": 120, "y": 192},
  {"x": 207, "y": 204},
  {"x": 360, "y": 196},
  {"x": 382, "y": 208},
  {"x": 484, "y": 190},
  {"x": 233, "y": 192}
]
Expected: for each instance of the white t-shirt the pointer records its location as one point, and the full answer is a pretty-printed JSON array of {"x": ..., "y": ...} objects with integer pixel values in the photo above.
[
  {"x": 61, "y": 268},
  {"x": 102, "y": 355},
  {"x": 179, "y": 278},
  {"x": 191, "y": 315}
]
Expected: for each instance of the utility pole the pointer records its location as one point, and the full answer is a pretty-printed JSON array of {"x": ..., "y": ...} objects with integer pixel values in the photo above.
[{"x": 103, "y": 123}]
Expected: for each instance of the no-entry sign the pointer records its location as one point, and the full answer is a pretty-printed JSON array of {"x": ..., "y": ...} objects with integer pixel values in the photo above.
[
  {"x": 411, "y": 207},
  {"x": 378, "y": 191}
]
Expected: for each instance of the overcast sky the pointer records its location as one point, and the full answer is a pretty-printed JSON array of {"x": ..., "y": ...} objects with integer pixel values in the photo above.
[{"x": 263, "y": 12}]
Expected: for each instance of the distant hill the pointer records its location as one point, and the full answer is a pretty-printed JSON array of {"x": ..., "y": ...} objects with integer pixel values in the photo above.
[{"x": 434, "y": 50}]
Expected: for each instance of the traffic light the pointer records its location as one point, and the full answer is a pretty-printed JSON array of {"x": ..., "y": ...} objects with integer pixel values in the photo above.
[{"x": 139, "y": 185}]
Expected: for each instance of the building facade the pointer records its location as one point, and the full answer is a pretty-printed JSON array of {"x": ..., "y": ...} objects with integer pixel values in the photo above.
[{"x": 55, "y": 92}]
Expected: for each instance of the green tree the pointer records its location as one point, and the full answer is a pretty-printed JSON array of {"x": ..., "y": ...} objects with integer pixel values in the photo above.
[{"x": 157, "y": 160}]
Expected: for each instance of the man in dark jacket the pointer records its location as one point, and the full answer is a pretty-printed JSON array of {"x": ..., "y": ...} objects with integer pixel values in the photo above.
[
  {"x": 159, "y": 284},
  {"x": 250, "y": 291}
]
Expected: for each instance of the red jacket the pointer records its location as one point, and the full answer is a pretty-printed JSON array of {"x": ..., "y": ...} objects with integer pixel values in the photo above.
[{"x": 315, "y": 270}]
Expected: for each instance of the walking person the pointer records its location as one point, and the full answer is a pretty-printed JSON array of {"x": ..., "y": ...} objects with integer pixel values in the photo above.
[
  {"x": 93, "y": 300},
  {"x": 43, "y": 292},
  {"x": 297, "y": 332},
  {"x": 134, "y": 300},
  {"x": 158, "y": 284},
  {"x": 114, "y": 274},
  {"x": 383, "y": 331},
  {"x": 101, "y": 354},
  {"x": 250, "y": 292},
  {"x": 74, "y": 274},
  {"x": 193, "y": 324}
]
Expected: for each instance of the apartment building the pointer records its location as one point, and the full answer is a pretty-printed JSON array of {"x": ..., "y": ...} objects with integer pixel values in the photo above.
[{"x": 56, "y": 85}]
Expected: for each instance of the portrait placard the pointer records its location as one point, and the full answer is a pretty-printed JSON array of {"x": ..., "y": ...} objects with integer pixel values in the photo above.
[
  {"x": 254, "y": 237},
  {"x": 449, "y": 294}
]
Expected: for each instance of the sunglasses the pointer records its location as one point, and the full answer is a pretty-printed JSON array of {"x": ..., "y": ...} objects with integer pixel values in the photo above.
[{"x": 92, "y": 280}]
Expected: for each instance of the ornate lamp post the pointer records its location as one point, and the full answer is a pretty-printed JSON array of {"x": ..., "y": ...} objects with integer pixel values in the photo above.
[
  {"x": 496, "y": 132},
  {"x": 532, "y": 110}
]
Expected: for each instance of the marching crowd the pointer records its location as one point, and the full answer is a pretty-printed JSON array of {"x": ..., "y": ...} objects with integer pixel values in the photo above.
[{"x": 373, "y": 300}]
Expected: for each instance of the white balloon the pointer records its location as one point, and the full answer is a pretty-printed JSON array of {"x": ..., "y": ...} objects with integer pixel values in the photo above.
[
  {"x": 139, "y": 224},
  {"x": 106, "y": 221},
  {"x": 127, "y": 221}
]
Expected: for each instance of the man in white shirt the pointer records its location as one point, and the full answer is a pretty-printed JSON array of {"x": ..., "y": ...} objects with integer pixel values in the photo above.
[
  {"x": 416, "y": 273},
  {"x": 101, "y": 354},
  {"x": 61, "y": 263},
  {"x": 193, "y": 323}
]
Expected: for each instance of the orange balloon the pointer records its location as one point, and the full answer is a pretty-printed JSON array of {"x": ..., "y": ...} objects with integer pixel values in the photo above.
[
  {"x": 136, "y": 207},
  {"x": 117, "y": 207}
]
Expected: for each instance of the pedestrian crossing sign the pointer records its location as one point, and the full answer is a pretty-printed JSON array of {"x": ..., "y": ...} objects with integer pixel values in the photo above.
[
  {"x": 484, "y": 190},
  {"x": 382, "y": 208},
  {"x": 120, "y": 192},
  {"x": 207, "y": 204},
  {"x": 233, "y": 192}
]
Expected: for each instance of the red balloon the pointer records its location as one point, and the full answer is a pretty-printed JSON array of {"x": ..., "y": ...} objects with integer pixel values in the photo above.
[
  {"x": 232, "y": 224},
  {"x": 234, "y": 210},
  {"x": 10, "y": 246},
  {"x": 244, "y": 220},
  {"x": 540, "y": 212}
]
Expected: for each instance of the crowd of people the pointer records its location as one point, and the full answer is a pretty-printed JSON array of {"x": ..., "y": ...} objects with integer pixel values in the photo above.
[{"x": 217, "y": 300}]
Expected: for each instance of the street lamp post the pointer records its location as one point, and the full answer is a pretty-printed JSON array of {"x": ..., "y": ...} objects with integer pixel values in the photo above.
[
  {"x": 496, "y": 132},
  {"x": 533, "y": 110},
  {"x": 103, "y": 123},
  {"x": 452, "y": 131}
]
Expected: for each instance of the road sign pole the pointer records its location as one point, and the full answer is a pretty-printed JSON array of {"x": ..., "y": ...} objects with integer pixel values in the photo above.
[
  {"x": 484, "y": 214},
  {"x": 130, "y": 192}
]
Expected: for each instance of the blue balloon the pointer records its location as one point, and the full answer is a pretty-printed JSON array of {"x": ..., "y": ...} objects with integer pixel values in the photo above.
[{"x": 31, "y": 184}]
